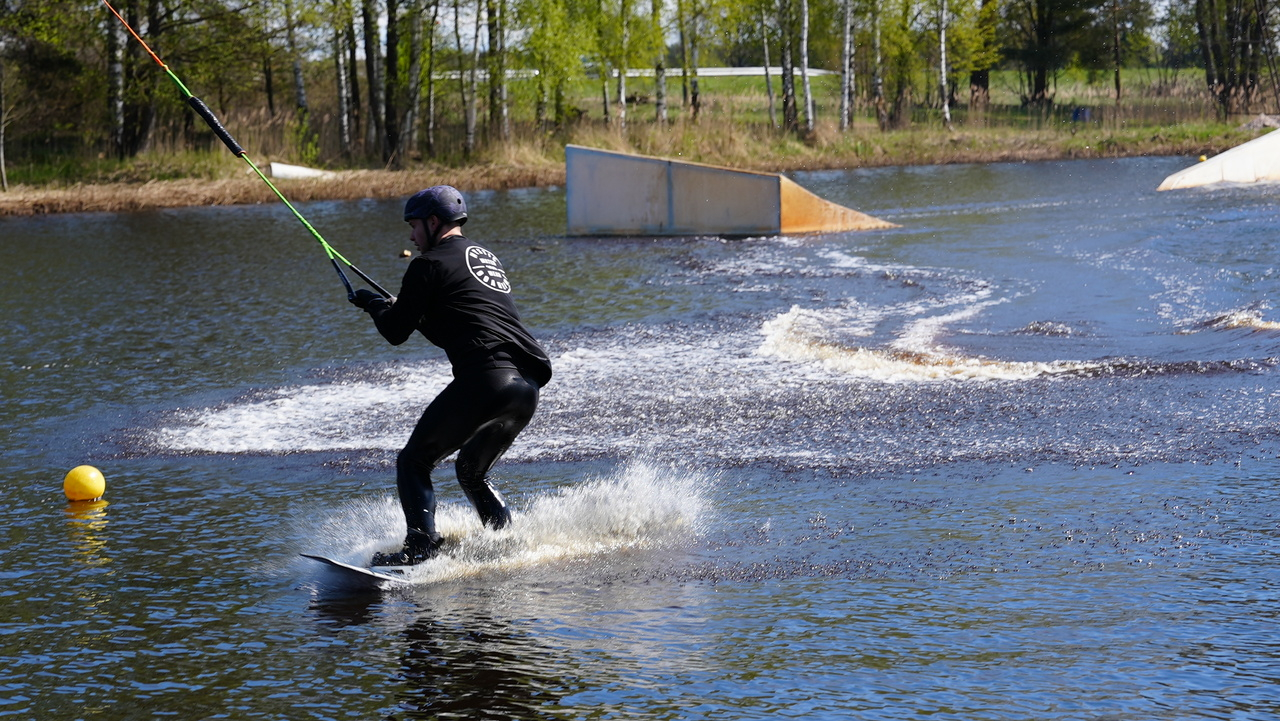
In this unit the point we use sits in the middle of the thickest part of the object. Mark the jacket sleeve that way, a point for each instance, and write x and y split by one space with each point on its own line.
399 319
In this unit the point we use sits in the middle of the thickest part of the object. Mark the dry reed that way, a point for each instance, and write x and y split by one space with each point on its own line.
538 160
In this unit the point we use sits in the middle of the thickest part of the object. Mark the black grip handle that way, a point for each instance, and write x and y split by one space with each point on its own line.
198 105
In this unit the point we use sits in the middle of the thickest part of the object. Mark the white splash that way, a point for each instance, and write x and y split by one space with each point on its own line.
641 506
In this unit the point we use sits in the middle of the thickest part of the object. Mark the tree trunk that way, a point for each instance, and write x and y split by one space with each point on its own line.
504 116
1115 43
561 112
299 86
431 81
877 78
353 79
790 114
4 122
269 83
768 80
344 93
659 68
681 20
604 94
541 105
391 151
472 82
373 74
140 108
944 92
695 94
413 96
467 145
804 67
980 77
499 116
979 89
623 11
115 90
846 67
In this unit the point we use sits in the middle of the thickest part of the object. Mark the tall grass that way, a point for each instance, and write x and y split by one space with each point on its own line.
1158 114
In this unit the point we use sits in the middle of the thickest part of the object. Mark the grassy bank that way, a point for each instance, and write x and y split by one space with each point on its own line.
217 178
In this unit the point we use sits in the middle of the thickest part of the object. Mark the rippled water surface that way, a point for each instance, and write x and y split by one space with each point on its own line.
1014 459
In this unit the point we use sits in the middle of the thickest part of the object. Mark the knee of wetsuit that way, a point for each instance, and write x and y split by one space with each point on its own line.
408 462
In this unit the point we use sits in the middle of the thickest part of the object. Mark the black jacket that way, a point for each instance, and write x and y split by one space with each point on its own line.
459 297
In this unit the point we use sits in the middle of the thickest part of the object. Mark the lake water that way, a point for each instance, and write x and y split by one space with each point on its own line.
1017 459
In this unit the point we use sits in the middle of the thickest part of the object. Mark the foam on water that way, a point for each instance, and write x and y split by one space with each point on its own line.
1250 319
695 389
307 418
639 506
798 335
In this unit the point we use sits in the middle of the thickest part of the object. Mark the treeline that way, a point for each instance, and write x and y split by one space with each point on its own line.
384 79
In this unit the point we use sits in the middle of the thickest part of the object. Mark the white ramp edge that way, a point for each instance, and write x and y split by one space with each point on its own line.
1251 162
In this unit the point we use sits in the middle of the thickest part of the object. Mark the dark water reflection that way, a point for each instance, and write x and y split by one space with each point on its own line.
451 667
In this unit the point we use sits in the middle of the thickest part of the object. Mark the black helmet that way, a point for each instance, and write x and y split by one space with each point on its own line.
442 201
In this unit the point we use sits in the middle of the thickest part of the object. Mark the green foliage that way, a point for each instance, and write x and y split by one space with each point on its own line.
561 35
973 36
225 51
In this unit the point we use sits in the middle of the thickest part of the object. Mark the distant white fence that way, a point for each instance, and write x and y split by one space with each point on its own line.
756 71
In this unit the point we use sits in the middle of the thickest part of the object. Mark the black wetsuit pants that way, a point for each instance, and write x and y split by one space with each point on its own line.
479 415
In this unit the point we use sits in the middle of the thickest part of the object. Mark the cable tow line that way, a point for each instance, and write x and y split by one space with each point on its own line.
214 124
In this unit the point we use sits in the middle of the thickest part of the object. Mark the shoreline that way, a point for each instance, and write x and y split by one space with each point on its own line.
245 188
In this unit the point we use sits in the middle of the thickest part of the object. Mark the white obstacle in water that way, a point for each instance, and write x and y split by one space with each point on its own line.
610 193
1251 162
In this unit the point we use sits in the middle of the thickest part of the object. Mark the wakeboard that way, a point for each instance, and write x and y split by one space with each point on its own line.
379 574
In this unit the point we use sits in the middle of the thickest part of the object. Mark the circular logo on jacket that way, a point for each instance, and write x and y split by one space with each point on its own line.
484 266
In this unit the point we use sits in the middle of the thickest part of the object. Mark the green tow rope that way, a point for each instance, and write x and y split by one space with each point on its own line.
203 110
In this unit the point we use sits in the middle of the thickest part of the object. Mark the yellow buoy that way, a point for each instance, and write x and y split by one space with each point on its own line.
1203 158
84 483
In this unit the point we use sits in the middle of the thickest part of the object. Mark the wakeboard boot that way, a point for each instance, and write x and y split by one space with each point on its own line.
418 547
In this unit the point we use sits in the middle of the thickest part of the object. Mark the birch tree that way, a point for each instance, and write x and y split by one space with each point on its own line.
115 87
468 68
944 91
847 85
343 89
4 119
804 67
